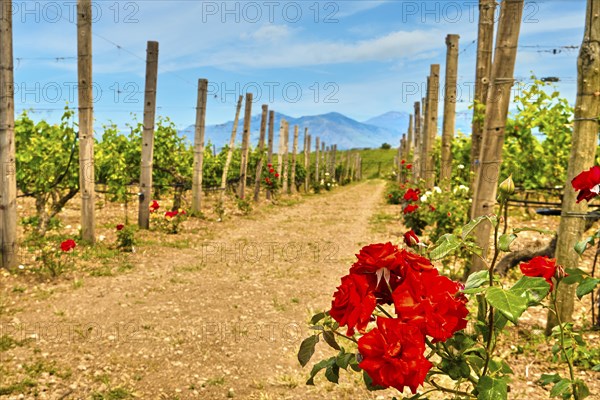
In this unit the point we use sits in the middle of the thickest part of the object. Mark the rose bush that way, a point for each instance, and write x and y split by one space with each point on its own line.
405 322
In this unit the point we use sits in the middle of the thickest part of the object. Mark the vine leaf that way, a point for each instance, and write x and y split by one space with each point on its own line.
507 303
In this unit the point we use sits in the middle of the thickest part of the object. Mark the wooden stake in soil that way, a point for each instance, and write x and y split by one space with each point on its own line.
294 153
200 128
449 109
416 153
410 139
307 161
245 146
583 151
148 135
270 146
486 184
8 180
333 162
280 150
86 119
231 146
261 151
424 133
317 147
286 144
432 115
483 67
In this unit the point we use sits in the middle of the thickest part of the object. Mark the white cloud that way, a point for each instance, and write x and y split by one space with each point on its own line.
267 33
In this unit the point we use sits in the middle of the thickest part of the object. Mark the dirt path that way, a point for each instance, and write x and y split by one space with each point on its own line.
221 319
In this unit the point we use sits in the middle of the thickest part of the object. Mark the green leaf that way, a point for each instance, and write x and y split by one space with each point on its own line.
532 289
476 363
329 338
492 388
344 359
468 228
505 240
317 317
476 279
582 390
586 286
507 303
581 246
575 275
547 379
444 246
560 388
332 373
318 367
307 349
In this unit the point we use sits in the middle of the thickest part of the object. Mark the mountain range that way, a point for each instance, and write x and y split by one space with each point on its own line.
332 128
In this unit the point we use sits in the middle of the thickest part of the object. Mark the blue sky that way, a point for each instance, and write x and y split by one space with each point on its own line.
360 58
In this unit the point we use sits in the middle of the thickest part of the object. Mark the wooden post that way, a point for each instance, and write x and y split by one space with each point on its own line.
294 153
416 153
483 67
231 146
424 134
148 135
449 109
486 184
245 145
307 161
317 147
327 160
270 144
200 128
286 144
324 168
261 151
583 150
333 162
8 180
86 119
410 138
280 151
432 115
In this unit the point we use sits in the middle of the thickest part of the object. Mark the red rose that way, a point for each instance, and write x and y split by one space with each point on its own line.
276 175
171 214
120 227
154 206
374 257
410 238
392 355
271 170
412 195
431 208
269 165
432 303
412 262
410 208
543 267
68 245
408 166
588 184
353 303
449 214
402 162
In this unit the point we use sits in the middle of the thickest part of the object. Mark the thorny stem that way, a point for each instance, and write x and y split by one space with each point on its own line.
562 345
383 311
448 390
345 337
490 338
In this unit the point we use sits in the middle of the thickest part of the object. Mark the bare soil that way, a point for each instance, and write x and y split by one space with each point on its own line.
217 311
